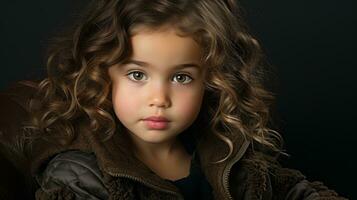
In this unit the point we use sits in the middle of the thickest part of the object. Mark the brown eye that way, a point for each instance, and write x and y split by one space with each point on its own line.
182 78
135 75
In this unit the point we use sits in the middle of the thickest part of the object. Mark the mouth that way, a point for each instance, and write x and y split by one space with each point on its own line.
156 119
159 125
156 122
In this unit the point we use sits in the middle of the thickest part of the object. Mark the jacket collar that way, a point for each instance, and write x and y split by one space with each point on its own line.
115 159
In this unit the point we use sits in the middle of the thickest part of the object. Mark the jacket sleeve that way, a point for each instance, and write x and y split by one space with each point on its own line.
72 175
290 184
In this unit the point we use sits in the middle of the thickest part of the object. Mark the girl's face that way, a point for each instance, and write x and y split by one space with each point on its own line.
163 77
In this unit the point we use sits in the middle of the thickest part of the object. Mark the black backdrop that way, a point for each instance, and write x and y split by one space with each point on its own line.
310 43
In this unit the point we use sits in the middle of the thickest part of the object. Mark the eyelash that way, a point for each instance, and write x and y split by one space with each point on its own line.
132 72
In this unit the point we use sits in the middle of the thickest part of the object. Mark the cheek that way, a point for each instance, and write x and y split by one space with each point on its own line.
189 104
125 102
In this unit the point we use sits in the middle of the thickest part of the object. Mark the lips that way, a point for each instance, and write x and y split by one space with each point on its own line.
157 119
156 122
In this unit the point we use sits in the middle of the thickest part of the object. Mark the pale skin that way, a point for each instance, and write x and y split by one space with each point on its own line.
152 84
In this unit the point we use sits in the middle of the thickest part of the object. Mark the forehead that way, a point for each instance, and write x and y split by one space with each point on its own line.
164 44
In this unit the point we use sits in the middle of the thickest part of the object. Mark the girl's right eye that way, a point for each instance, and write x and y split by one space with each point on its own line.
135 75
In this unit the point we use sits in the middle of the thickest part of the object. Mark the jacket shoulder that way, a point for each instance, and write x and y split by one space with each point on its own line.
72 175
260 176
291 184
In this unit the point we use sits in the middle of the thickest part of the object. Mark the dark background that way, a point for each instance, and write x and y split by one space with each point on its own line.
310 43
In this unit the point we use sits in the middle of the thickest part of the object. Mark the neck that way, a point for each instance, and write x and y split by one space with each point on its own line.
154 151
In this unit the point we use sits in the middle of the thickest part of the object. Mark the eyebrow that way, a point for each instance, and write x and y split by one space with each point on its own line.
180 66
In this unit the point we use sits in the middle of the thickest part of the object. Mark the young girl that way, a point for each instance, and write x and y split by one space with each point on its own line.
159 99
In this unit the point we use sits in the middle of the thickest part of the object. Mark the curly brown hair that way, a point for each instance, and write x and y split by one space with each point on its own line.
78 86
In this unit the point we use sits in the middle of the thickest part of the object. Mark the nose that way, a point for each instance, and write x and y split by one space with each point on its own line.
159 96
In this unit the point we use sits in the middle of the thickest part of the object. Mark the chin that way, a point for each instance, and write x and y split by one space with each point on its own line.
156 140
155 137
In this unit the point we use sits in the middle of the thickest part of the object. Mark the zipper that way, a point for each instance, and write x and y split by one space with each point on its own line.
145 183
227 169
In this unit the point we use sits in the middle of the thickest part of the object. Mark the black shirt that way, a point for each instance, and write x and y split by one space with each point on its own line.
194 186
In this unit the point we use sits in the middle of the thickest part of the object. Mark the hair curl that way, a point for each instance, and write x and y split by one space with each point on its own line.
78 86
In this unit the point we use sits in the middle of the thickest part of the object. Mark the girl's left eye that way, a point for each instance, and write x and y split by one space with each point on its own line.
181 78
